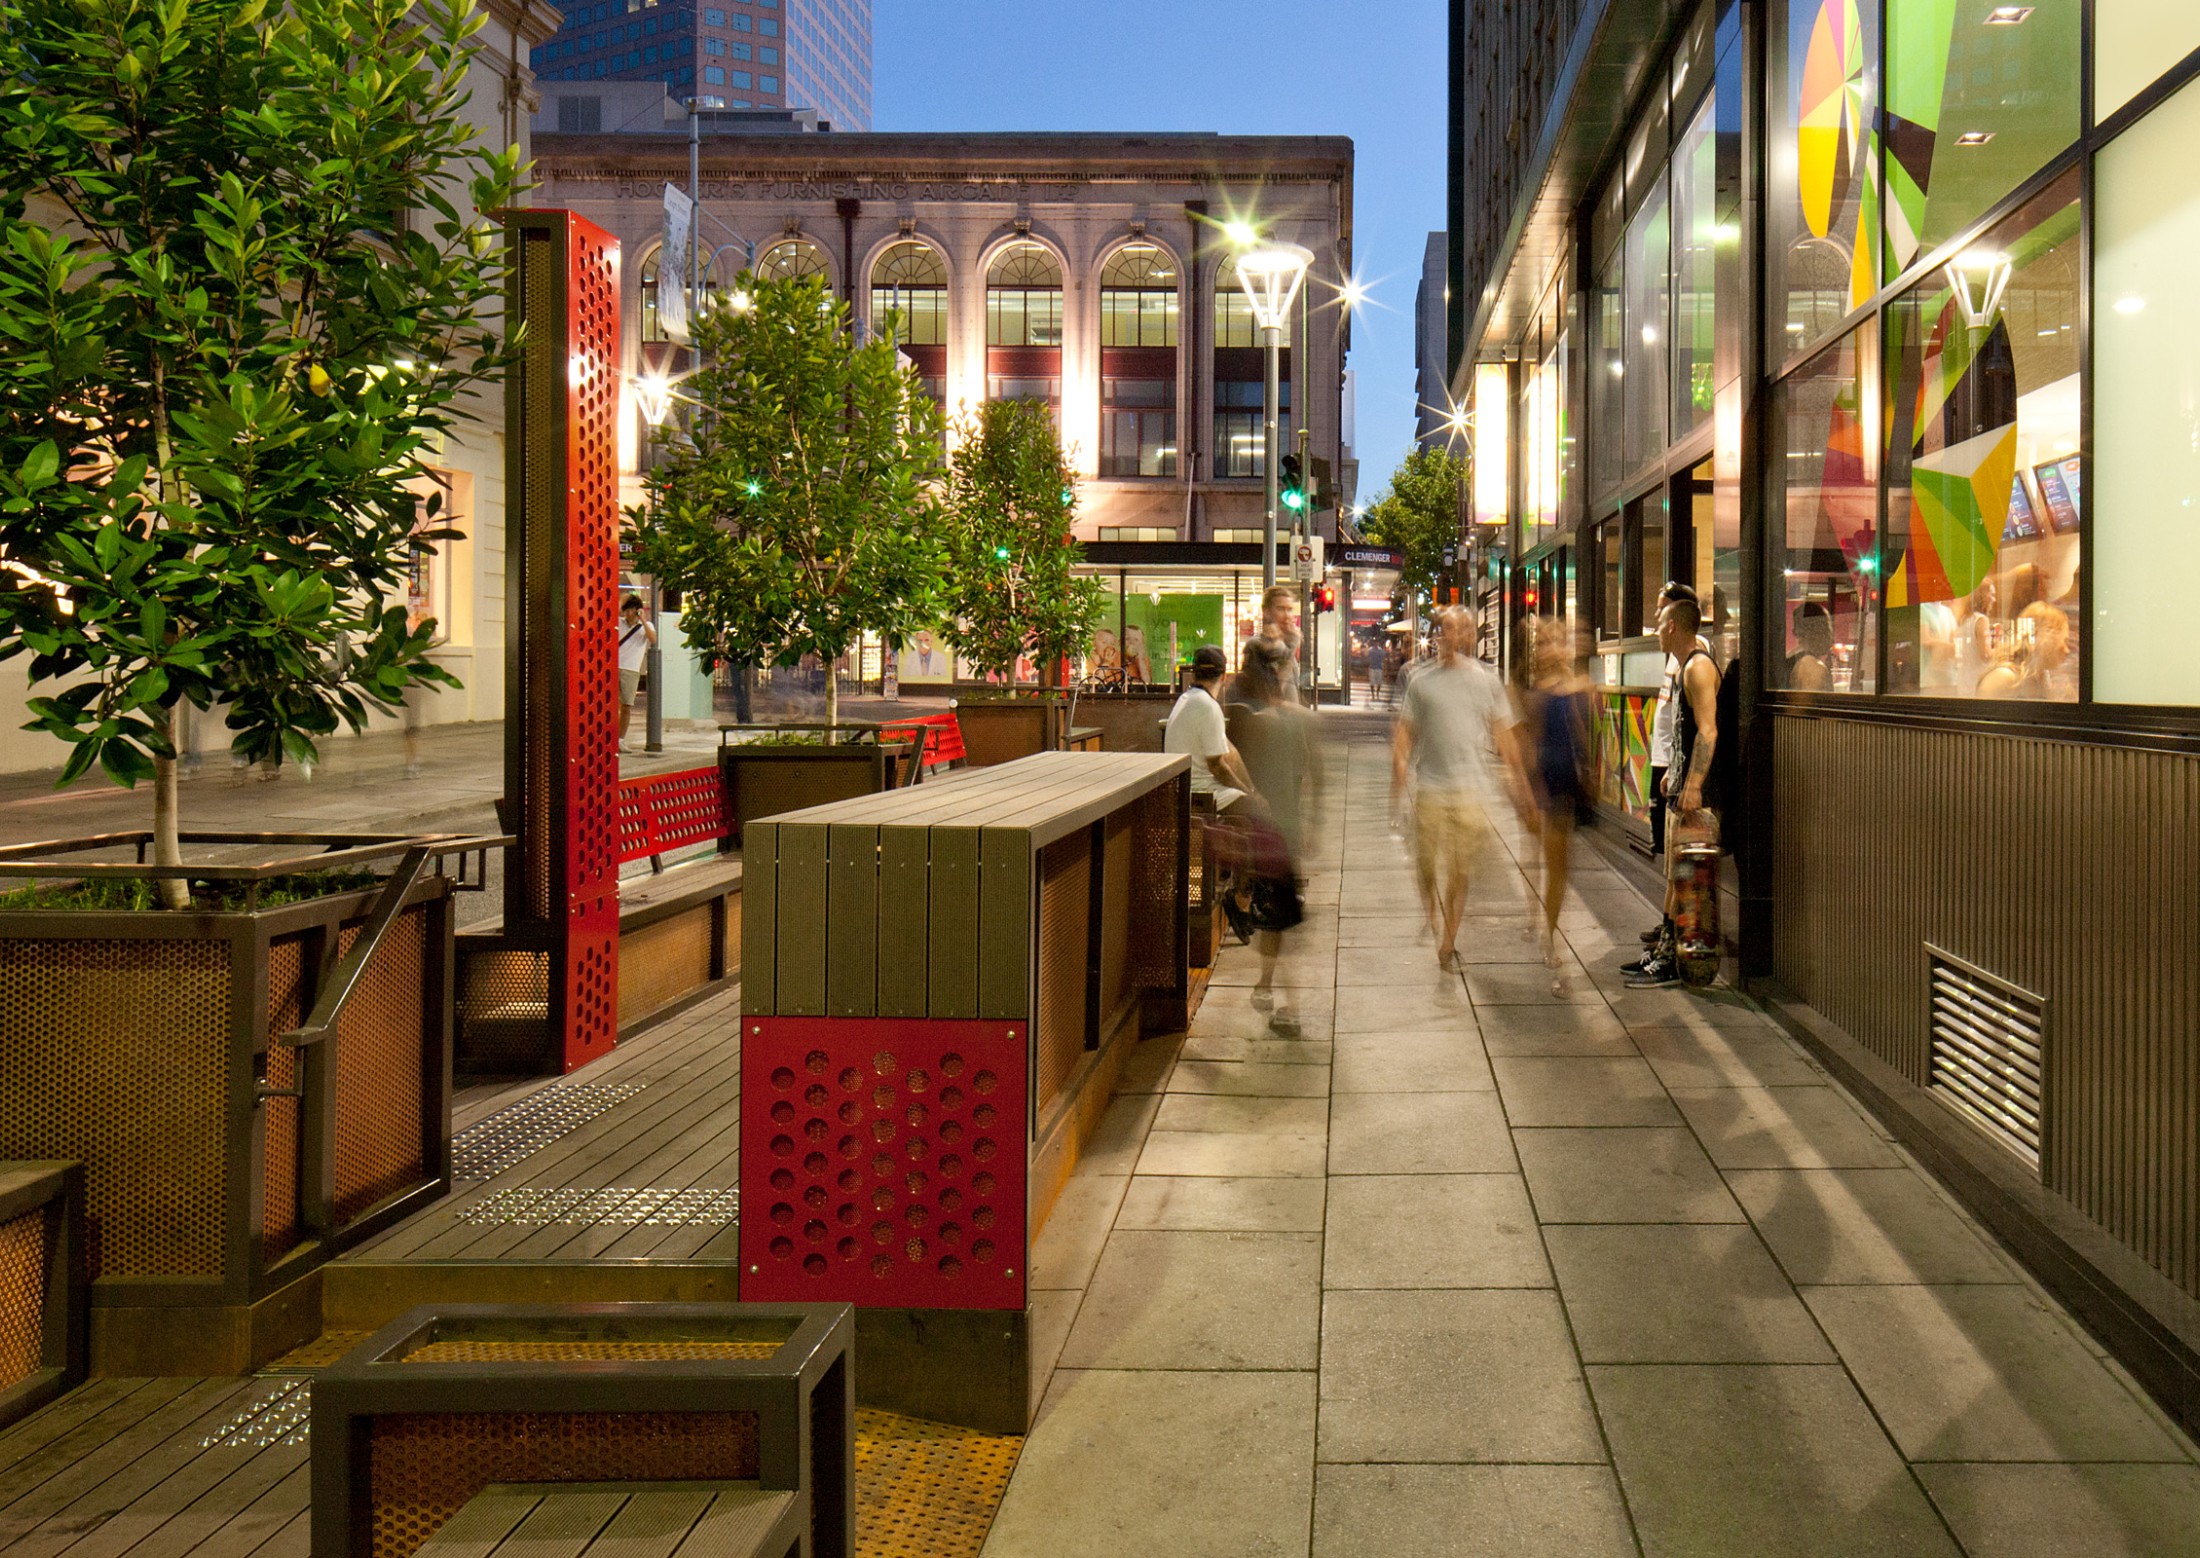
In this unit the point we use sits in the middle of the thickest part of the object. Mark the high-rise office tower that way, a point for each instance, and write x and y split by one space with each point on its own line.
753 53
829 60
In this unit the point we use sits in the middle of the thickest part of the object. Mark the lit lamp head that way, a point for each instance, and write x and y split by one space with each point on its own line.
653 393
705 105
1271 275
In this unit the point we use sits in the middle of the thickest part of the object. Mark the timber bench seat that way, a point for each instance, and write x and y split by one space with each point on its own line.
629 1520
414 1428
939 988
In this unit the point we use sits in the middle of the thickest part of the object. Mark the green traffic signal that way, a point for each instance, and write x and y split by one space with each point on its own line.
1293 499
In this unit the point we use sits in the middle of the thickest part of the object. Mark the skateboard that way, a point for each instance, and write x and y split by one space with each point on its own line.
1693 845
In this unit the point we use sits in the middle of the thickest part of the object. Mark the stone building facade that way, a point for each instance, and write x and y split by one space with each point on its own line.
1092 271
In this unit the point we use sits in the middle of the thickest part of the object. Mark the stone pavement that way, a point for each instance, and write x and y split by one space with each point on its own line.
1471 1268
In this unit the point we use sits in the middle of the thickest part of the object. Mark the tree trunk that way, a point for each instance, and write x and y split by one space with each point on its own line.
174 892
832 701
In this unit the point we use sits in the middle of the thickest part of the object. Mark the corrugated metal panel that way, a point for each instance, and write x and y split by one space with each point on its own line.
2068 870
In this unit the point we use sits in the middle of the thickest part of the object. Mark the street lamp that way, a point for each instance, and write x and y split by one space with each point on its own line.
1271 275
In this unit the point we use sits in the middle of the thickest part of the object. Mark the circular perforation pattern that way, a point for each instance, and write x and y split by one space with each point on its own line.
881 1171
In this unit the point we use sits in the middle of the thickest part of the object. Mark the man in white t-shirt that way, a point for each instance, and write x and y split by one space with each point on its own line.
1197 729
1457 723
636 639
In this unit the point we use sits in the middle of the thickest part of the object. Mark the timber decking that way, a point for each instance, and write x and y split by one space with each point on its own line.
680 1131
638 1520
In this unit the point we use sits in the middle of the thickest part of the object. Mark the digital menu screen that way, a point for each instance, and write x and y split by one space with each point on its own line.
2024 520
2059 490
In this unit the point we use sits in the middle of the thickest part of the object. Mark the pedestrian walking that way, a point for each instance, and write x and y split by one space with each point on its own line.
636 639
1559 755
1274 737
1453 745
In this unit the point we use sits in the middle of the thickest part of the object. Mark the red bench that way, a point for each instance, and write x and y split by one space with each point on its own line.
661 812
939 737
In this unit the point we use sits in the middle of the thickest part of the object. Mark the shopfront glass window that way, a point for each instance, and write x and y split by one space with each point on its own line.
1645 562
1138 297
910 282
1607 374
1980 96
1983 472
2134 41
1611 584
1644 394
2145 497
1695 262
1822 213
791 259
1023 297
1826 503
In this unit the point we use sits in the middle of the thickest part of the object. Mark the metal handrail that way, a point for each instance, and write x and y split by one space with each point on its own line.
346 849
342 979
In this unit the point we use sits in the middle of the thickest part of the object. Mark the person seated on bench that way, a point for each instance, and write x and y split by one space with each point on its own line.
1197 729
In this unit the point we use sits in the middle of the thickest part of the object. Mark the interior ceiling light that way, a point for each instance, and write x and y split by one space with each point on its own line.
1974 137
2007 15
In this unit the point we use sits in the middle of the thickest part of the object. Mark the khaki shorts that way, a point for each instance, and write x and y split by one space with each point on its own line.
630 687
1448 830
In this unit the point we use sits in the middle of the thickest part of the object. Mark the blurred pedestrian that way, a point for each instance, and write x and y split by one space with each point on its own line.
1197 729
1560 761
1274 737
1454 741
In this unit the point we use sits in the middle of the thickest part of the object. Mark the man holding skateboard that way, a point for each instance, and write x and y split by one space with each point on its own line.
1690 947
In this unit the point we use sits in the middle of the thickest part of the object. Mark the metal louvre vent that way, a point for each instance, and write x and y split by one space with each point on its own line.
1989 1052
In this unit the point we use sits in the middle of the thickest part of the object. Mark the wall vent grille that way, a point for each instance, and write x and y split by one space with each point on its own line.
1989 1053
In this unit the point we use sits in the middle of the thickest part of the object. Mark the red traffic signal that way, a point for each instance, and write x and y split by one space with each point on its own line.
1325 599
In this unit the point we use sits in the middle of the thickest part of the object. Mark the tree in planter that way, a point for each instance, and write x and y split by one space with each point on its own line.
1011 504
1420 515
797 515
242 281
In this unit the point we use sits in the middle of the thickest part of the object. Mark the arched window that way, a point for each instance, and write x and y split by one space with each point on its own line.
1138 297
910 281
790 259
1138 332
653 330
1023 324
1023 297
1241 390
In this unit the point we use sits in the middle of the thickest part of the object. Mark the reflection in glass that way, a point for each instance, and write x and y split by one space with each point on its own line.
1649 256
1979 98
1822 218
1695 228
1982 466
1607 370
1827 498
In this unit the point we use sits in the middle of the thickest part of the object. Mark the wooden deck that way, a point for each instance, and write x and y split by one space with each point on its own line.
650 1177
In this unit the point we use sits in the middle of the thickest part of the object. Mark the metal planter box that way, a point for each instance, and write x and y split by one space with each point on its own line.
1001 730
762 781
222 1164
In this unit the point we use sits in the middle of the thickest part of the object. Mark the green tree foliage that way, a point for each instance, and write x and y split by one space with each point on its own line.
242 281
1420 514
799 512
1011 508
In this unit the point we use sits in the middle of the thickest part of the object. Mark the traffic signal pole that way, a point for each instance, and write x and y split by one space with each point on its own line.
1302 536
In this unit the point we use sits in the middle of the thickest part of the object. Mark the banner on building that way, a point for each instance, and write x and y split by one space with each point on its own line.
673 268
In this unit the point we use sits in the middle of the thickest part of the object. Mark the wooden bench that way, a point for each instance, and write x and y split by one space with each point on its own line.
939 988
631 1520
466 1410
941 740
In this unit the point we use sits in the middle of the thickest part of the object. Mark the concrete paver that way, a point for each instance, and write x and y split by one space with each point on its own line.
1473 1268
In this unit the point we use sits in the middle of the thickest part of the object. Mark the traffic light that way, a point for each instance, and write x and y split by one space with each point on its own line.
1325 599
1292 491
1324 491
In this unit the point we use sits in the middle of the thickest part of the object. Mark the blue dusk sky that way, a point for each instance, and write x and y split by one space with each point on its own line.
1290 67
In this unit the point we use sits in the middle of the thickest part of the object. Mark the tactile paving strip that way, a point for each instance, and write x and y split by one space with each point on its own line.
927 1490
280 1415
487 1149
540 1206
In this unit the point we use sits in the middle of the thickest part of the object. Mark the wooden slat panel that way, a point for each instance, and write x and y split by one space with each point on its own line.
1005 946
759 918
737 1521
654 1523
904 926
478 1529
852 914
952 957
2062 867
802 906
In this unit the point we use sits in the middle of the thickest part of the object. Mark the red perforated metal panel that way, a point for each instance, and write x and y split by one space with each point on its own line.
591 864
663 812
883 1162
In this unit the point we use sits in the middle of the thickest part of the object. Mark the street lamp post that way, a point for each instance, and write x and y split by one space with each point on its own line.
1271 275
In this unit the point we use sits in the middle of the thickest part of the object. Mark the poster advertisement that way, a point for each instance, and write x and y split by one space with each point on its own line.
924 661
1159 635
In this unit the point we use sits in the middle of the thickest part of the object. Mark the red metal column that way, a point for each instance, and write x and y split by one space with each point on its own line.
562 569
